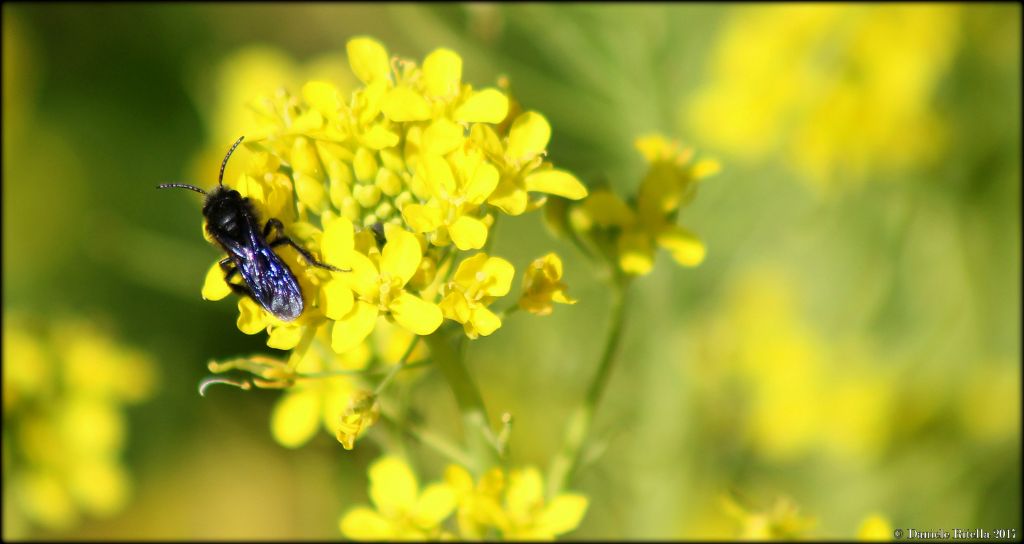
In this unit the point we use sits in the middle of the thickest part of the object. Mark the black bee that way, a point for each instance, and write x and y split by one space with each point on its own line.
232 222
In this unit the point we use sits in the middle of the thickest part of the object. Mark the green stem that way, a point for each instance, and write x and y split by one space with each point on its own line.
434 441
565 463
364 372
398 367
446 351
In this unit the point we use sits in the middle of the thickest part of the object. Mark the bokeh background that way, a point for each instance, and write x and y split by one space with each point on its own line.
851 346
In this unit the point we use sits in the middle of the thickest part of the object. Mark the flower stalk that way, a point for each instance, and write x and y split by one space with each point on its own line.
565 463
446 348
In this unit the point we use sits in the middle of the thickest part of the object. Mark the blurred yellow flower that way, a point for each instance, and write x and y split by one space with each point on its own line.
64 426
362 412
875 527
480 504
989 400
314 403
401 511
543 285
529 517
514 505
782 522
837 90
629 233
802 393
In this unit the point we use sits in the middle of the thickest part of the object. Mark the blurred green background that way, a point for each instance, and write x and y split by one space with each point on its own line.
850 344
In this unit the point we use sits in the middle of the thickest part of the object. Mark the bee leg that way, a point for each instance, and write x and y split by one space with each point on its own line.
305 254
274 224
241 290
229 269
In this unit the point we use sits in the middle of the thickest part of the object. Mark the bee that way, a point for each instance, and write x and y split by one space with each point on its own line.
232 221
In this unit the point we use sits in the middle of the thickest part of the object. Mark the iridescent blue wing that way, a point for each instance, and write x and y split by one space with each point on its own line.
273 285
270 281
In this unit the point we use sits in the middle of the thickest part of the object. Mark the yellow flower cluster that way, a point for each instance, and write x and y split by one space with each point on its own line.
392 184
837 90
627 234
64 429
506 505
799 400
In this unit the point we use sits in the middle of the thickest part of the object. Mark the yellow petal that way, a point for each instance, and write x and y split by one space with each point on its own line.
488 141
655 147
705 168
250 187
415 314
368 59
606 209
434 505
336 299
563 514
509 198
379 137
442 137
468 233
484 181
468 268
455 307
525 489
500 272
636 256
442 72
362 523
215 287
284 337
363 278
393 486
438 174
352 329
556 182
458 478
685 247
552 262
323 97
486 106
337 242
528 137
421 218
295 417
403 104
251 316
401 256
562 298
306 122
484 321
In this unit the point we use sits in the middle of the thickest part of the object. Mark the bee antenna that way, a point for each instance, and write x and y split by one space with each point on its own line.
220 178
180 186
